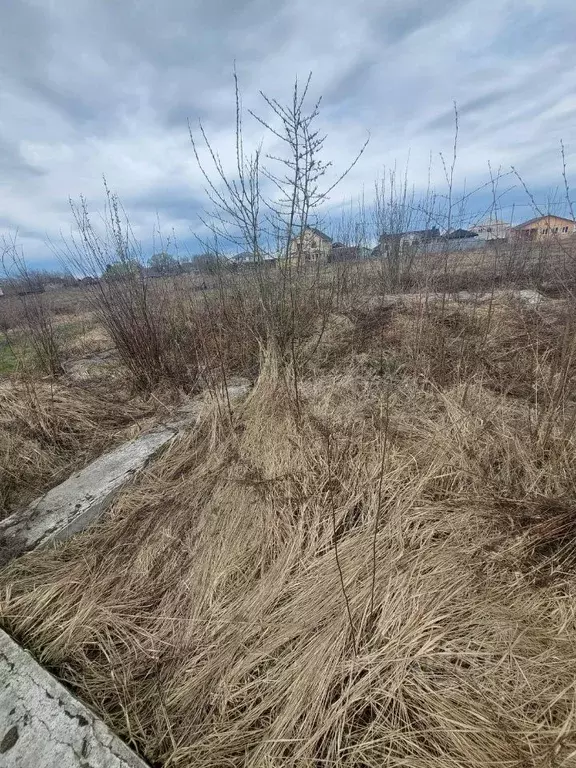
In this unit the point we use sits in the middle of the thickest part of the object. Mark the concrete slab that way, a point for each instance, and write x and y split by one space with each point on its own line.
43 726
80 499
523 295
480 297
85 495
528 296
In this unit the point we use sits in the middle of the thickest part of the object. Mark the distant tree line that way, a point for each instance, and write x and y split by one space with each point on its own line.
35 281
19 282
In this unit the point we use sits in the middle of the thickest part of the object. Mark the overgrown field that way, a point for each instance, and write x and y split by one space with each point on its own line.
51 425
371 561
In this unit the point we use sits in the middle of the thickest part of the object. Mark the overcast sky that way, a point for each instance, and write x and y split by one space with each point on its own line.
93 87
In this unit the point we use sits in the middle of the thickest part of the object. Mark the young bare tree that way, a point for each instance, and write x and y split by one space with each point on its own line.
41 332
265 205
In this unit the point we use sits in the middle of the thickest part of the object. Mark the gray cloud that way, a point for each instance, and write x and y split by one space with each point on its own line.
92 87
13 166
399 19
480 103
25 38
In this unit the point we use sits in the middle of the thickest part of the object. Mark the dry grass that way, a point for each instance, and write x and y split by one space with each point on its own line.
48 429
514 349
380 573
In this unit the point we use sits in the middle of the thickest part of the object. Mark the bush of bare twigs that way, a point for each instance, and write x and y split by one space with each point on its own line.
28 310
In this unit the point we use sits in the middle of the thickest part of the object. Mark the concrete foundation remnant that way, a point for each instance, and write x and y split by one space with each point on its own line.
42 725
85 495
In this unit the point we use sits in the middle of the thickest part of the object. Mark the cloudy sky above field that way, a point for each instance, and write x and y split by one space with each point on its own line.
100 87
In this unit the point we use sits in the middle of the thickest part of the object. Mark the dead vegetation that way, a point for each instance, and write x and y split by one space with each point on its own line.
379 571
48 429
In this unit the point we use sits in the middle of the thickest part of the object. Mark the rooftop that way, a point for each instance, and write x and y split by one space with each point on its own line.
545 217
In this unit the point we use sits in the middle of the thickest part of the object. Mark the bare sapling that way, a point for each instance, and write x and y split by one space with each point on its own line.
40 329
265 206
143 319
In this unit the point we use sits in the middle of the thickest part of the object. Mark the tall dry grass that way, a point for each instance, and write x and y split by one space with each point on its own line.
381 573
48 429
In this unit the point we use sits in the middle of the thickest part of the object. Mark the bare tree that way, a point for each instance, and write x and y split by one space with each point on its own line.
265 206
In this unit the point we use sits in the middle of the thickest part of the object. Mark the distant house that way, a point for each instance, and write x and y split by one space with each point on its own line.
544 228
311 245
249 259
491 229
244 258
413 237
340 252
460 234
419 236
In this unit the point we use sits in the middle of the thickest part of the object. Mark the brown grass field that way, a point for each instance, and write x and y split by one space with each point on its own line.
369 562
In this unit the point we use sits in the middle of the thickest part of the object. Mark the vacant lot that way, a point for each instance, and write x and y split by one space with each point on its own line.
371 561
66 390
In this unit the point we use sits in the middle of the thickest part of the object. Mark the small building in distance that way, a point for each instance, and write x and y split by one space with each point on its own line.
547 227
419 236
311 245
340 252
460 234
412 237
491 229
246 257
251 260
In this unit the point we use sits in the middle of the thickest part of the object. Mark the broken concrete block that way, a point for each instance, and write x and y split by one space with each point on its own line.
82 499
528 296
43 725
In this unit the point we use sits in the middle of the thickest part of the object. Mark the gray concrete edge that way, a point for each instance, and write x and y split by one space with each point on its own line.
85 496
43 724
